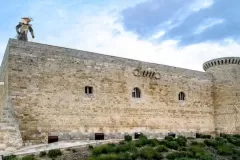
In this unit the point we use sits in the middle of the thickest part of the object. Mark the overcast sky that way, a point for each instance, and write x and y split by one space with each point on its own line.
181 33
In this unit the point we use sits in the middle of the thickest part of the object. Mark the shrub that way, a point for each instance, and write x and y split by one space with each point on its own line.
10 157
172 145
169 138
153 142
127 138
90 147
224 135
150 153
184 159
195 143
182 141
161 148
221 140
135 155
236 135
234 140
182 148
199 152
107 157
103 149
124 156
162 142
54 153
224 149
42 154
210 142
29 157
142 141
235 157
236 151
176 155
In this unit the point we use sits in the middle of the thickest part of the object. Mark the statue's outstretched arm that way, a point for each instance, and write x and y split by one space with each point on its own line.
31 30
17 28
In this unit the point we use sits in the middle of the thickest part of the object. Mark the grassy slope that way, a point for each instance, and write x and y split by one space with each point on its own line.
226 147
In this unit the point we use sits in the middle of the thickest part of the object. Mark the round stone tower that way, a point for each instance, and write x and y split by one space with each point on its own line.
226 93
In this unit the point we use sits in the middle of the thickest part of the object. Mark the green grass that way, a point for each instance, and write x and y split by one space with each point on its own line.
179 148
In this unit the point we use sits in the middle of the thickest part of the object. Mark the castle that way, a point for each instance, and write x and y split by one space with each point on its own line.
50 92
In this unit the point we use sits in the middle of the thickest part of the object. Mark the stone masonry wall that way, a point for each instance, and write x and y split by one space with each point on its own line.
47 85
10 137
227 97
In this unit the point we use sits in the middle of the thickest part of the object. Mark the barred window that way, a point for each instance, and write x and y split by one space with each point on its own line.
88 90
136 93
181 96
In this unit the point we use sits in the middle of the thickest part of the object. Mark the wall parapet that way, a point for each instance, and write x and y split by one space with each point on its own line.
221 61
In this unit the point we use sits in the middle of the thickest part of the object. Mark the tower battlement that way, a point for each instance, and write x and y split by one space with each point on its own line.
221 61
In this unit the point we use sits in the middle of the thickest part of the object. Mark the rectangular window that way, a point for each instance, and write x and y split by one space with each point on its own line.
88 90
52 139
99 136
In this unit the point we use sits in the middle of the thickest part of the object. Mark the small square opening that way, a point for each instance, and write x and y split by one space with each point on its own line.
52 139
172 134
137 135
99 136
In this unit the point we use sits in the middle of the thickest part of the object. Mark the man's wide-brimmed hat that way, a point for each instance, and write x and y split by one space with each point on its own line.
27 18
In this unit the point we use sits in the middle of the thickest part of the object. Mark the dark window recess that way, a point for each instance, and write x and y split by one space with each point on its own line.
198 135
99 136
136 93
181 96
52 139
88 90
137 135
172 134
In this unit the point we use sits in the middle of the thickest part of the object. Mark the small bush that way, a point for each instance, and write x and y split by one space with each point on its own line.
182 148
54 153
175 155
103 149
172 145
161 148
153 142
10 157
235 157
150 153
42 154
143 140
221 140
236 151
224 149
236 135
29 157
90 147
195 143
162 142
182 141
199 152
169 138
124 156
210 143
127 138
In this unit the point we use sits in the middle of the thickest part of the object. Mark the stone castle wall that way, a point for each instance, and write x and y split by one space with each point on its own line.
226 81
47 86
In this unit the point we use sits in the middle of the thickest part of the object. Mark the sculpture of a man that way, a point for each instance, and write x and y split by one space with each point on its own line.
24 27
